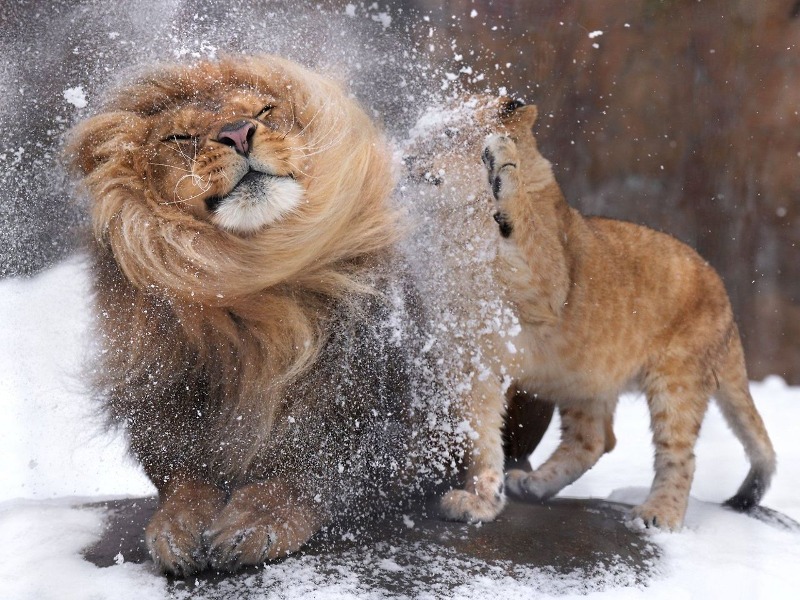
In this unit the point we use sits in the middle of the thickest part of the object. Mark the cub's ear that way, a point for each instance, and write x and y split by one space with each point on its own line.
516 113
94 141
508 105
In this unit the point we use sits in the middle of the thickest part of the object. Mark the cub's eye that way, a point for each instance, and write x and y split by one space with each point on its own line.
179 138
264 111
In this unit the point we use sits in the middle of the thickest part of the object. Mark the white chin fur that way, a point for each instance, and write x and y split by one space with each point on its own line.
250 207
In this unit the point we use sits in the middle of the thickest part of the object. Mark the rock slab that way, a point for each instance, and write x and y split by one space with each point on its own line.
564 545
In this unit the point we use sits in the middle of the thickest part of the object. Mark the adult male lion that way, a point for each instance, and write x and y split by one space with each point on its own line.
258 337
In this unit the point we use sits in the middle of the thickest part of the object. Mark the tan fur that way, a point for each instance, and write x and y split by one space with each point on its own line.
605 306
224 353
480 325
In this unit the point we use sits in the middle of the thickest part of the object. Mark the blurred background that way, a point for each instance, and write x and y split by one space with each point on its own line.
683 115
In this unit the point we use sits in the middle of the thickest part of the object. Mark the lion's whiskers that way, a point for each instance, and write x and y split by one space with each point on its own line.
197 181
325 141
315 115
293 168
292 122
328 146
169 166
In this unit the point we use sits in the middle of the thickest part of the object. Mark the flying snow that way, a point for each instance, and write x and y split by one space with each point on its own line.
76 96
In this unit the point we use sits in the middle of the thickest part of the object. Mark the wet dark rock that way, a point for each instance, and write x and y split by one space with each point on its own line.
565 545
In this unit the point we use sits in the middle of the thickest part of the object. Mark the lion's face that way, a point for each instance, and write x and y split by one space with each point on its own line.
220 179
237 160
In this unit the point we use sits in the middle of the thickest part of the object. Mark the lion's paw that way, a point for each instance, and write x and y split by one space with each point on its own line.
241 538
501 160
461 505
255 527
175 541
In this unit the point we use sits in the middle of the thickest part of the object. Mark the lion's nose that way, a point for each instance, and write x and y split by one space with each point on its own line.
238 135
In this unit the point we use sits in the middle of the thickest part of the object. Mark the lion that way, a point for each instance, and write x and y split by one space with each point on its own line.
259 336
604 306
598 307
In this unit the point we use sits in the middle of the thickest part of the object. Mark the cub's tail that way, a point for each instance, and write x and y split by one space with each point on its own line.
736 404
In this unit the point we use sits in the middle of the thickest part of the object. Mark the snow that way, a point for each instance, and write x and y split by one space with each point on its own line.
76 96
384 19
55 456
41 543
46 423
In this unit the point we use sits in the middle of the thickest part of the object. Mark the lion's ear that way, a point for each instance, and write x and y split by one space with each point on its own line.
93 142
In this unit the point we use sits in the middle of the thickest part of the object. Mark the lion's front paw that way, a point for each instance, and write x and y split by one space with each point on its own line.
175 543
174 535
259 523
652 514
242 538
501 160
482 503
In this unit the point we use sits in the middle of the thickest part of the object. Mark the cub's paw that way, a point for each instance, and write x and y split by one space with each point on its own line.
258 524
527 485
482 503
501 160
657 515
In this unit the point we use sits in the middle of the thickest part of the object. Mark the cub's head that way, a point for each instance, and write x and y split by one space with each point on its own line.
448 139
255 170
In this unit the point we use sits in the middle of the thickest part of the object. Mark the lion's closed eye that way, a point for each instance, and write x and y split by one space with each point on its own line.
179 138
264 111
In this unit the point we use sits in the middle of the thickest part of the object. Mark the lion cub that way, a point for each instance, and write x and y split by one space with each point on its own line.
607 305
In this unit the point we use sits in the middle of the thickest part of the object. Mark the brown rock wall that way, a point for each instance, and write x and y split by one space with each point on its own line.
683 115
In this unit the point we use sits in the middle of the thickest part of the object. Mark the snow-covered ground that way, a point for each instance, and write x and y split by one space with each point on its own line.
53 454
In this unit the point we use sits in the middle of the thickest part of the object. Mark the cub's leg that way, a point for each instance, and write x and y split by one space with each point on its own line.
262 521
501 160
677 402
585 435
174 535
532 215
483 496
527 420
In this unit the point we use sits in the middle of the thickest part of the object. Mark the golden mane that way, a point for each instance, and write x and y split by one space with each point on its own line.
197 262
249 311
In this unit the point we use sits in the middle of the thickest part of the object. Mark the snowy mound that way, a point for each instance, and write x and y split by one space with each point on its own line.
52 448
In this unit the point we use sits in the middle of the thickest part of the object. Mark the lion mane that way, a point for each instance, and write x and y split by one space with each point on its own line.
190 286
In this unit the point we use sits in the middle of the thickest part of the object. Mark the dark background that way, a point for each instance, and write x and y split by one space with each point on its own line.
683 114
